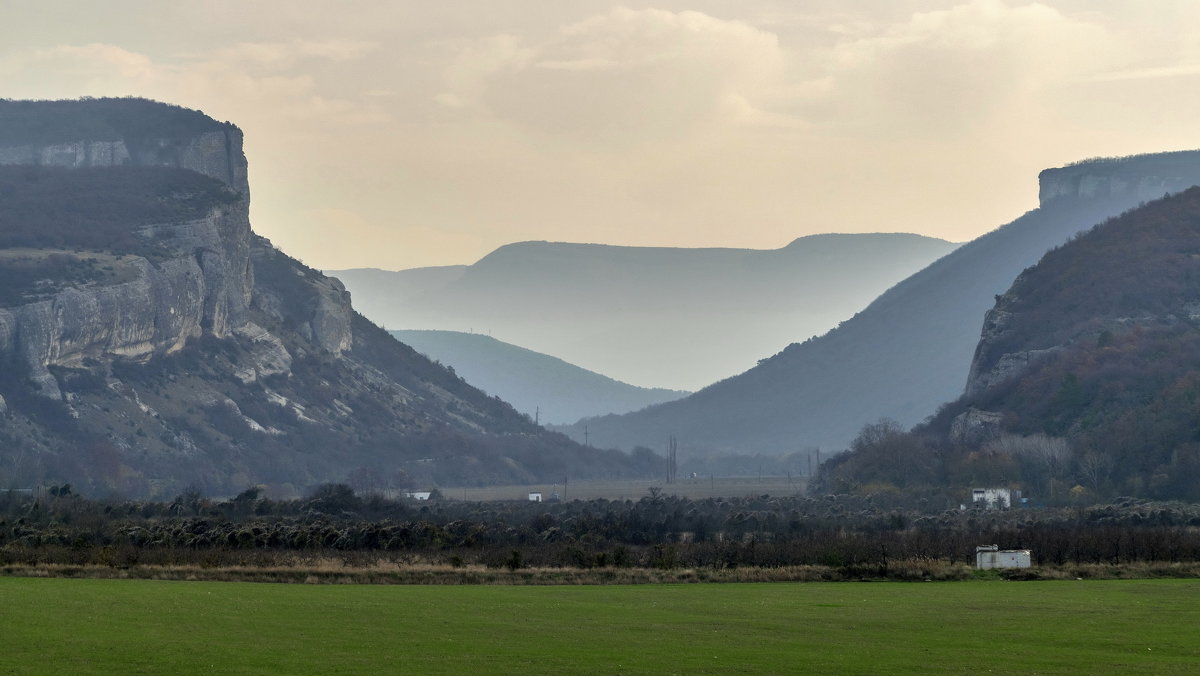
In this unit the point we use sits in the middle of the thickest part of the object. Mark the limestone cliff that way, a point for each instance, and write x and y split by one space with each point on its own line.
149 340
214 153
987 370
121 132
1138 178
206 286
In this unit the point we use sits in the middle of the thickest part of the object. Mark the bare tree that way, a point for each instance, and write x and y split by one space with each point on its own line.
1094 469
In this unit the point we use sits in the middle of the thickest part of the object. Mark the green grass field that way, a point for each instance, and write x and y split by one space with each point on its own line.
127 626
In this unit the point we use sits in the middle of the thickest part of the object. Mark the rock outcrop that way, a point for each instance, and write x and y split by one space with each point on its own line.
204 289
121 132
1141 178
986 371
149 340
974 426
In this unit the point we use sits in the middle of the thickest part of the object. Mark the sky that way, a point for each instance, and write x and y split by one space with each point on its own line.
414 133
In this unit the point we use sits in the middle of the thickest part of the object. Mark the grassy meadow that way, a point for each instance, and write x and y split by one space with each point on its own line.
141 626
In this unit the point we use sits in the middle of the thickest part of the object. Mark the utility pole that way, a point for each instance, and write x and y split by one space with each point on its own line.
585 436
672 446
537 415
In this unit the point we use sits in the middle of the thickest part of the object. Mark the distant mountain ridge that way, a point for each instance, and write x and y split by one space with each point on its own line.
909 351
650 316
538 385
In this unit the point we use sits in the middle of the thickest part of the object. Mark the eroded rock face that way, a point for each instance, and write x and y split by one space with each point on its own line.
330 323
267 354
1145 178
207 289
986 371
316 306
215 153
975 426
77 154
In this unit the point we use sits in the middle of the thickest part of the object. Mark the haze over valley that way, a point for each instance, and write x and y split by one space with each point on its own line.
653 317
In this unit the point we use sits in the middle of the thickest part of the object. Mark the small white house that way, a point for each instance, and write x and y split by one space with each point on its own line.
417 495
994 498
991 556
535 497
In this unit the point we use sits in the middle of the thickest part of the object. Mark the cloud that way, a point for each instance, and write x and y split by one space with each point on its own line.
956 69
1154 73
626 75
288 55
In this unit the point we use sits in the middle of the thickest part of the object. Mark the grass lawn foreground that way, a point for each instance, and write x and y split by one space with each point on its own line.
140 626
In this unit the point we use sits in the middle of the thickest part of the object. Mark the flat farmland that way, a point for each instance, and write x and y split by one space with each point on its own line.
57 626
701 487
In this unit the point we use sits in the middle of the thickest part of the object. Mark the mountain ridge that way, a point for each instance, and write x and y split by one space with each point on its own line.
653 316
539 385
907 352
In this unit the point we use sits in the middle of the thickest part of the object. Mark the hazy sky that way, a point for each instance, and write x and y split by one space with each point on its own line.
409 133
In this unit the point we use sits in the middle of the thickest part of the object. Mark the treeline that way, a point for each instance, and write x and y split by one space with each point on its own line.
98 119
844 532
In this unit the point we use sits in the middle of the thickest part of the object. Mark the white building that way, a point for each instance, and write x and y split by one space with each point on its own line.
991 556
535 497
994 498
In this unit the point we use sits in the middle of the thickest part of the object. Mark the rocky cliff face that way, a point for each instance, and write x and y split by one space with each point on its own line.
189 351
214 153
121 132
986 371
1140 178
205 289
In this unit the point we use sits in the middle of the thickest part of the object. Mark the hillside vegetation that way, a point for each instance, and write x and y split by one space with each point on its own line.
1088 375
131 119
100 209
903 356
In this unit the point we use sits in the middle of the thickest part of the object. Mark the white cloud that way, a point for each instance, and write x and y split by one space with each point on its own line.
623 76
955 69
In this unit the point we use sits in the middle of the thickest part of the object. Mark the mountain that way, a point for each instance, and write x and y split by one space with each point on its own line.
380 290
149 340
1085 379
664 317
909 350
535 384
